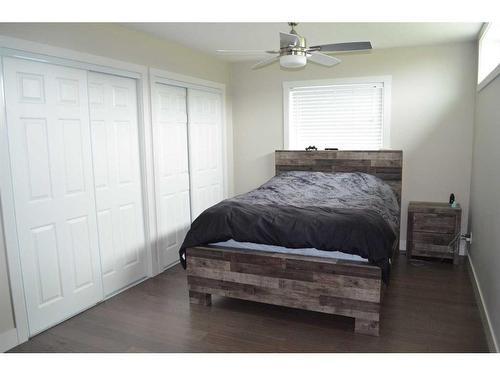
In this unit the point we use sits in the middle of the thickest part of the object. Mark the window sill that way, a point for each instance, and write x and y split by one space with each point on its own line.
489 78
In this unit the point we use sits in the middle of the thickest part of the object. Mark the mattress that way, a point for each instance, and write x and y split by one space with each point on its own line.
285 250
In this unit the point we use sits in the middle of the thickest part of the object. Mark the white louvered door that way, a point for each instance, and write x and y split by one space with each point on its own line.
205 149
51 163
171 170
115 146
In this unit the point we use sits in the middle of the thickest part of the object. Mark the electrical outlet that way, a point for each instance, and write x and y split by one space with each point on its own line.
467 237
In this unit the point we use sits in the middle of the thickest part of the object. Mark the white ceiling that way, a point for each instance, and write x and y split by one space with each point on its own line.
208 37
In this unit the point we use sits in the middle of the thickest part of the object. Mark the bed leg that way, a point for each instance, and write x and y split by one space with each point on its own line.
198 298
366 327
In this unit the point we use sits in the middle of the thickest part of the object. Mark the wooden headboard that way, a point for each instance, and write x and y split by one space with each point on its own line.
386 165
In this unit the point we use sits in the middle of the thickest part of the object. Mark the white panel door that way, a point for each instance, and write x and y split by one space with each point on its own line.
117 177
50 149
171 170
205 149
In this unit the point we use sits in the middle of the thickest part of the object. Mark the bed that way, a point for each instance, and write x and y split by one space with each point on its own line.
274 244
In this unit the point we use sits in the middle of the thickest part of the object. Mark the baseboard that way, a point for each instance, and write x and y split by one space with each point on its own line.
170 266
125 288
8 340
485 317
402 245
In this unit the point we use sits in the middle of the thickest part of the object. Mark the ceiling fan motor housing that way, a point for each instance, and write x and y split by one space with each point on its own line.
298 49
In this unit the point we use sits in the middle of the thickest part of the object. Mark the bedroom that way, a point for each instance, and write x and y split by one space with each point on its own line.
133 149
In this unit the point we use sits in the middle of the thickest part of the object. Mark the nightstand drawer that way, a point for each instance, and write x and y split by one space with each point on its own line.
437 223
431 250
441 239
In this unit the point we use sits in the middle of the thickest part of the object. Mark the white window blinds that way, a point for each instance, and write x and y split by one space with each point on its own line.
347 116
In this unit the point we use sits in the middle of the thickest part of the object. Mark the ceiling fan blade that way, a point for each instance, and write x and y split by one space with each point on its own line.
321 58
350 46
242 52
265 62
287 40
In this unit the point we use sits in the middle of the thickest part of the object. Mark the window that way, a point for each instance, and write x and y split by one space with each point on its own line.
489 53
348 114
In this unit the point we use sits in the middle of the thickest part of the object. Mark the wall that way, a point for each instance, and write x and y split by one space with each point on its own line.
431 116
485 201
116 42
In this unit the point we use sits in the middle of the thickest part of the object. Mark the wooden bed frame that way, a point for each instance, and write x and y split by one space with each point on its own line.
334 286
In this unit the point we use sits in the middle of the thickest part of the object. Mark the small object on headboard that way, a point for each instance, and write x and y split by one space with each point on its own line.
452 200
311 148
331 149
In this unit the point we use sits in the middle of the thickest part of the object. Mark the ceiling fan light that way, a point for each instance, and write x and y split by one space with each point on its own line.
293 61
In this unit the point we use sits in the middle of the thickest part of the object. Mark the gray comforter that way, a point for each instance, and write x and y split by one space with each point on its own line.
355 213
335 190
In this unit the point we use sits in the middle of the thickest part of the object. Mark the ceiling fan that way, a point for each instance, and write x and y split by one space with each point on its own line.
294 53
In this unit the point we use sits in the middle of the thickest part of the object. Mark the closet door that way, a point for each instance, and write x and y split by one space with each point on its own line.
50 149
171 170
205 149
117 178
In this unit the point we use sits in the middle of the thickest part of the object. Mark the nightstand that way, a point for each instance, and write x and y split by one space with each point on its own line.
432 227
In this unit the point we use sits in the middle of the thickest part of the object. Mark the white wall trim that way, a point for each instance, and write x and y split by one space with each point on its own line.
402 245
20 48
489 78
9 222
485 316
386 80
8 340
171 78
495 72
77 58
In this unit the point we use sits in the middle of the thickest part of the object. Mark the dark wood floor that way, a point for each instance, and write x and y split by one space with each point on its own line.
429 307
